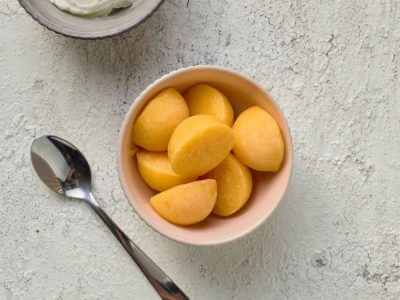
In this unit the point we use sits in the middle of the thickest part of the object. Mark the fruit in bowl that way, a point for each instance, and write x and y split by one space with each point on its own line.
186 204
248 159
234 185
199 144
155 169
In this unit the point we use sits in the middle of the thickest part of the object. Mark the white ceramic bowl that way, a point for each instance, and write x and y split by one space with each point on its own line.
268 188
67 24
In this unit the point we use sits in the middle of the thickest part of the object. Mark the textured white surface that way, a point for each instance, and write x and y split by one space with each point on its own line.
333 66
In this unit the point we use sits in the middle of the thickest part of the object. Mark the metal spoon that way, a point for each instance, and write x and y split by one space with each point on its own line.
64 169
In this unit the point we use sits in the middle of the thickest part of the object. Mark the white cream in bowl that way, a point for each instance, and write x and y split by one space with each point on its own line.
91 8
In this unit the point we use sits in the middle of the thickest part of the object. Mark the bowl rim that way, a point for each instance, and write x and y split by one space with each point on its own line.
124 125
81 36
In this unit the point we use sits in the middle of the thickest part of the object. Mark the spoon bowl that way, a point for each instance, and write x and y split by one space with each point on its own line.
61 166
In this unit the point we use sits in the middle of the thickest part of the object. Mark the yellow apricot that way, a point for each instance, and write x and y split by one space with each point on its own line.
258 140
203 99
199 144
188 203
156 171
155 124
234 185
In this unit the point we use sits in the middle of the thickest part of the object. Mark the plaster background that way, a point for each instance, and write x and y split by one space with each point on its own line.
333 67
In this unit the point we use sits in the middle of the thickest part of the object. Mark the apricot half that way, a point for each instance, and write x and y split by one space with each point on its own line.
258 140
234 185
188 203
199 144
155 124
203 99
156 171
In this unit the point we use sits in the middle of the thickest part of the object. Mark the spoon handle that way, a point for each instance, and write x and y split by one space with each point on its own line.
164 286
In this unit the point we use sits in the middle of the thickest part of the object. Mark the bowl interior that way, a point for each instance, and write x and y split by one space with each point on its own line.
268 187
63 22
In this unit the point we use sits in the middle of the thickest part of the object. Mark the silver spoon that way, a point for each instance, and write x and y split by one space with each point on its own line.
64 169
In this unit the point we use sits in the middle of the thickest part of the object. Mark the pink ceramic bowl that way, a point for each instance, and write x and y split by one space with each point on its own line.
268 189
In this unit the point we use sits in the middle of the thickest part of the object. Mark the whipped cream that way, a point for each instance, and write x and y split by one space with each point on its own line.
91 8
